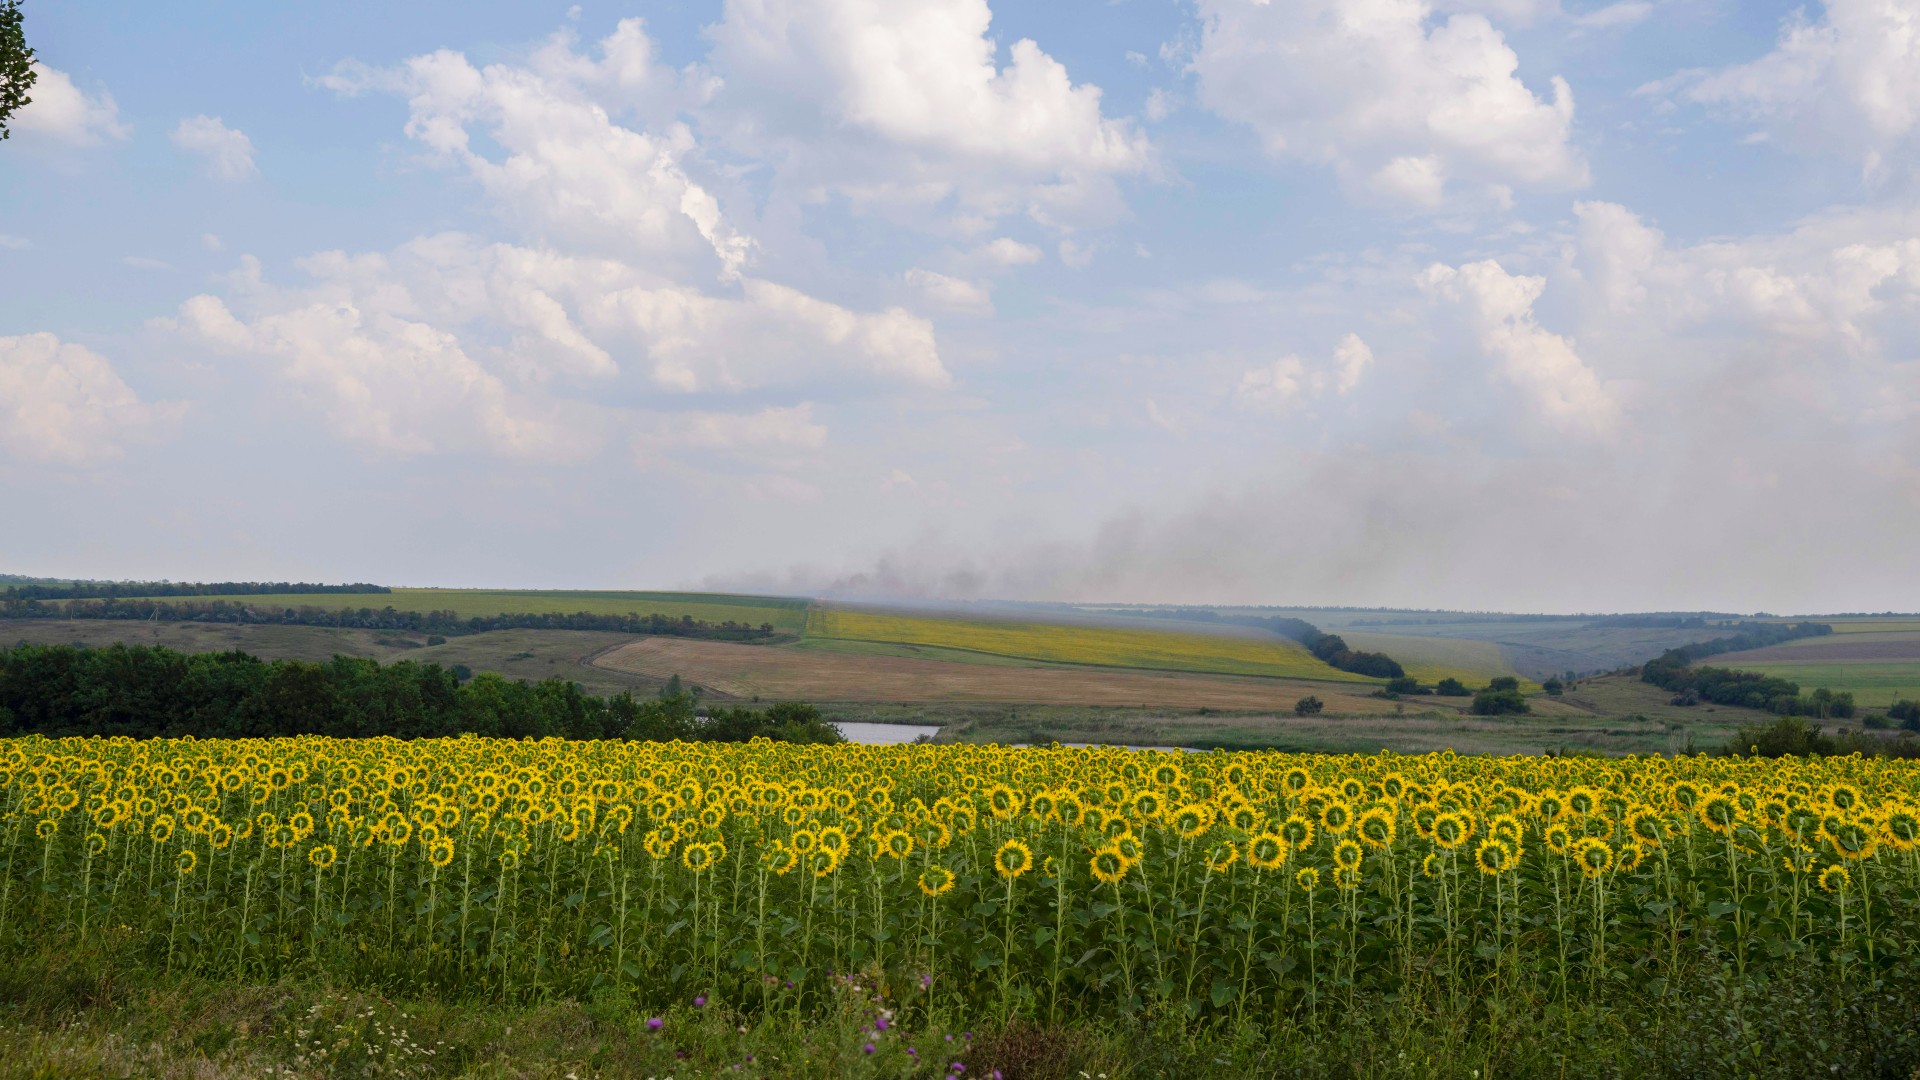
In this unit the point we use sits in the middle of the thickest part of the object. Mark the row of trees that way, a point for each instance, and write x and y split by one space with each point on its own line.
101 590
387 618
146 691
1332 650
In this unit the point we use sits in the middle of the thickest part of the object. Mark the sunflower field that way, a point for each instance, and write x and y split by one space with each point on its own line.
1052 884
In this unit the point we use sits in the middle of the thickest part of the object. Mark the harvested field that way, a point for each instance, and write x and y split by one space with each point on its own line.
516 654
1840 648
1103 646
745 671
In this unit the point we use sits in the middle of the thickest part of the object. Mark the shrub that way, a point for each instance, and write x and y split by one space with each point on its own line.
1405 684
1553 687
1308 706
1493 702
1452 687
1504 682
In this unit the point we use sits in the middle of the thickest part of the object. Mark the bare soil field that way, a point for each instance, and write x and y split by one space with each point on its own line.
748 671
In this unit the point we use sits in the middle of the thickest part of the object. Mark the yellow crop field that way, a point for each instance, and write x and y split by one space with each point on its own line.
1097 645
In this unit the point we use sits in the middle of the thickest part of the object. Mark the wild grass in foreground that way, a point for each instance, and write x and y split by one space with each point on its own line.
99 1008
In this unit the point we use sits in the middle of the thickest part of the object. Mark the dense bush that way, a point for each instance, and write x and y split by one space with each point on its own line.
1451 687
144 691
1493 702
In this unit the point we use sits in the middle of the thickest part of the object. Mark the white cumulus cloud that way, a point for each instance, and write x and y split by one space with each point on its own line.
1404 105
225 153
62 403
1849 82
63 113
1564 392
901 104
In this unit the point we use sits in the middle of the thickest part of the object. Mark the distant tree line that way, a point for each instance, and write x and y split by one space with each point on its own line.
100 590
1653 621
1673 670
148 691
1332 650
387 618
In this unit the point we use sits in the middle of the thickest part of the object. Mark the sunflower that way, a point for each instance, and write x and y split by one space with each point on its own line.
1901 830
1835 879
1297 831
1346 853
897 844
1559 838
1647 827
1266 852
441 854
1593 855
1375 827
1013 859
834 839
935 880
1336 817
1222 857
1852 840
1004 801
510 858
186 860
1346 878
1719 813
1451 829
1307 879
778 858
1493 857
96 844
1192 820
823 862
1108 866
47 827
322 856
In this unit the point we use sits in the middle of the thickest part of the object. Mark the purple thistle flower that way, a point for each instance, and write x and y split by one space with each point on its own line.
867 1049
655 1023
700 1002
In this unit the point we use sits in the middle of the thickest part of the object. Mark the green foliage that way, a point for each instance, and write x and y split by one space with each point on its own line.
1451 687
1492 702
1405 684
1906 714
145 691
1553 687
1308 706
1503 682
1799 737
16 63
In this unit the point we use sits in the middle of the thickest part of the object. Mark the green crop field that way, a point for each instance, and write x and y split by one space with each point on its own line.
1092 645
784 614
1875 684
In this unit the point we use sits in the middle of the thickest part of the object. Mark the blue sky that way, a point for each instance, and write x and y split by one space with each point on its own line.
1502 304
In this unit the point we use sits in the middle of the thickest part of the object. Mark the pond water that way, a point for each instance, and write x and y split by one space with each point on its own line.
883 734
